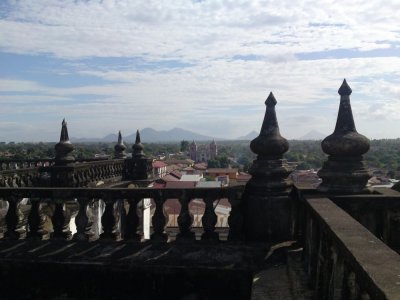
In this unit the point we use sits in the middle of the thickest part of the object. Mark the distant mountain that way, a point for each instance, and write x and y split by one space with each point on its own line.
150 135
313 135
250 136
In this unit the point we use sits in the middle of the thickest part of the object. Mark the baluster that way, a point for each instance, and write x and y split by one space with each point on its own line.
235 219
13 219
209 220
82 221
185 219
60 220
132 221
336 286
108 221
365 296
325 267
94 213
35 220
159 219
352 289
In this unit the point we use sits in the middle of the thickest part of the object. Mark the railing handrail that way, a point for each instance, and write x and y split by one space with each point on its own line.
376 266
200 192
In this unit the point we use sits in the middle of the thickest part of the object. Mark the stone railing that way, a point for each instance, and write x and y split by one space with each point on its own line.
19 178
342 258
379 212
60 200
82 174
15 164
37 172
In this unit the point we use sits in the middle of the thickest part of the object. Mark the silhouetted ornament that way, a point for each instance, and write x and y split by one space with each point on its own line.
345 140
345 170
138 146
270 143
266 205
64 148
119 148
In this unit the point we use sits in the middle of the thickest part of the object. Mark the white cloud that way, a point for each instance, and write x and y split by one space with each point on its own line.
215 88
195 31
202 96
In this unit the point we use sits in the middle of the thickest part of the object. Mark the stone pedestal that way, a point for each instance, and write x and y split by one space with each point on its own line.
344 175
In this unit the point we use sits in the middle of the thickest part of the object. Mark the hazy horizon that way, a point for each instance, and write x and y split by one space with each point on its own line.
205 66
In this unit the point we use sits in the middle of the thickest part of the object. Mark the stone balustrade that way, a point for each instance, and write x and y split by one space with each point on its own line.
30 173
58 199
15 164
81 174
342 258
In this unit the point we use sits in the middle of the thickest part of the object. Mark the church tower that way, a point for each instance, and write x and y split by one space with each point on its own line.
213 150
193 151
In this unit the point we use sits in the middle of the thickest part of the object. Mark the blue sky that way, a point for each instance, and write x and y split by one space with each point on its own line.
205 66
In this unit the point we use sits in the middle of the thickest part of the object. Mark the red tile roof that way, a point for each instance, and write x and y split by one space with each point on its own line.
159 164
168 178
176 174
222 170
180 184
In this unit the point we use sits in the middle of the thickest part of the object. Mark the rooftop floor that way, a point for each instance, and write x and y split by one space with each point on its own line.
98 270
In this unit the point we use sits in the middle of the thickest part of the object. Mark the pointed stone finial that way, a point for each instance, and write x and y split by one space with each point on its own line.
270 143
119 148
345 89
345 140
64 147
271 101
64 132
138 146
265 200
345 170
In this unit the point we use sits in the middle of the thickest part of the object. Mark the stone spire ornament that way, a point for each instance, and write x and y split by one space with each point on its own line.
138 146
64 147
119 148
344 172
265 201
139 166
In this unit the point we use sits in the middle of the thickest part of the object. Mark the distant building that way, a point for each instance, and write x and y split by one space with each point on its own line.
203 153
231 173
159 169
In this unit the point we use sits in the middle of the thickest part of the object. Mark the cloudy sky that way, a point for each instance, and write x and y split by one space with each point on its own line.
206 66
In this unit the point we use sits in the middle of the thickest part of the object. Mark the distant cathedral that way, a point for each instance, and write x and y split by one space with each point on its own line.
203 153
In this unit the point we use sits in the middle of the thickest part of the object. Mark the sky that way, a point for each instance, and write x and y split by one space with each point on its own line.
205 66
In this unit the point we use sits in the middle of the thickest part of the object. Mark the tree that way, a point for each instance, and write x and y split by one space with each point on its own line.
184 146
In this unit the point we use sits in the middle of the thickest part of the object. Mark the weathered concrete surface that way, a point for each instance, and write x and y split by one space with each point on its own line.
283 277
121 270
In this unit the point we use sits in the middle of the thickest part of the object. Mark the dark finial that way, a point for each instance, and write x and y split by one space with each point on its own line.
344 89
64 132
138 146
270 143
345 170
271 101
119 148
137 141
64 147
345 140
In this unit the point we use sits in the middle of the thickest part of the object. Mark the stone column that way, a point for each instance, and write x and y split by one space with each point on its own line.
62 175
266 204
62 172
345 171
